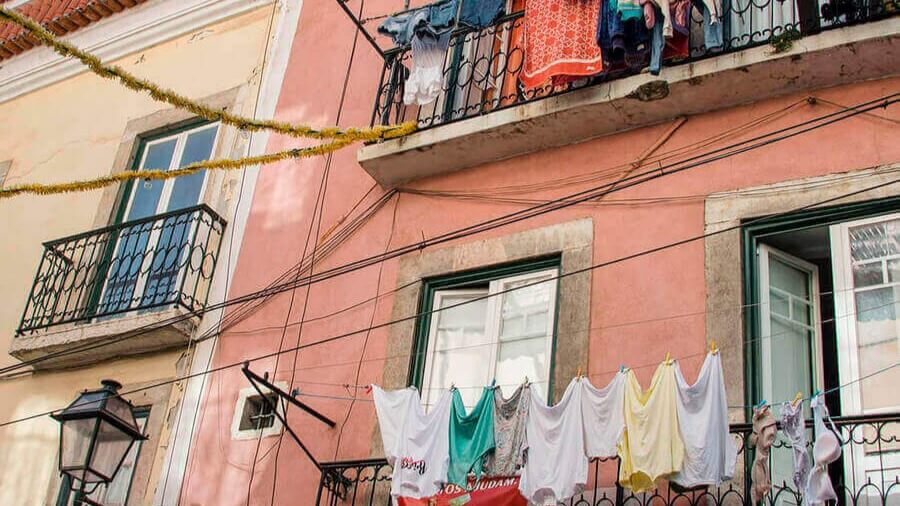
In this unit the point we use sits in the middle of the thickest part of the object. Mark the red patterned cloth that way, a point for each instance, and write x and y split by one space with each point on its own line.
559 40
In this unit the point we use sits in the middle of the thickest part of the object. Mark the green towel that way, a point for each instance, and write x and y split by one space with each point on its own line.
471 436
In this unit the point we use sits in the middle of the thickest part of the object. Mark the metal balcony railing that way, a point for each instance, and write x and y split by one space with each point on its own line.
867 474
161 261
481 67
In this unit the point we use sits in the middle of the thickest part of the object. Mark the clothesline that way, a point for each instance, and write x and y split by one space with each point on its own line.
730 406
596 374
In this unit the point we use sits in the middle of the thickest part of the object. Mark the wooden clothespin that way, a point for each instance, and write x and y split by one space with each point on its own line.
713 348
668 359
578 375
797 398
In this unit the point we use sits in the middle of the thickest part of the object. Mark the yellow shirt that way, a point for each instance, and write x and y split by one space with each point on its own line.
651 447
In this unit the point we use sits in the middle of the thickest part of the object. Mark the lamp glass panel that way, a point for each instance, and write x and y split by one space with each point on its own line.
76 442
111 446
121 410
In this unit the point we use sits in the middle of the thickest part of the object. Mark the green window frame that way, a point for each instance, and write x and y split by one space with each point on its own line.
752 236
472 279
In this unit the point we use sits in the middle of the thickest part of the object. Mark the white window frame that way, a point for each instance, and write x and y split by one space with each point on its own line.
764 252
239 435
492 325
847 340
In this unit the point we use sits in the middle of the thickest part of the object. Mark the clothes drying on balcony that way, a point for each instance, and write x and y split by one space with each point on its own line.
556 466
427 30
652 447
471 436
826 450
764 430
672 430
416 442
709 452
604 418
792 424
559 41
509 433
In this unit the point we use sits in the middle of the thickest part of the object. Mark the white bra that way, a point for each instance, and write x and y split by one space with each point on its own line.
826 449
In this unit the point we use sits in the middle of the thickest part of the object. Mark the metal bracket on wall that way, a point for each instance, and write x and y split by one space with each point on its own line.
258 381
360 27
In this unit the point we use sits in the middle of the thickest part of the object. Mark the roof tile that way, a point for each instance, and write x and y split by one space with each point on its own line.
65 16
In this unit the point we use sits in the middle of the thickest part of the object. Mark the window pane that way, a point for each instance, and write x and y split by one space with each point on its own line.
878 345
467 368
197 148
788 278
461 347
780 303
867 274
525 312
147 193
462 325
893 268
875 240
520 359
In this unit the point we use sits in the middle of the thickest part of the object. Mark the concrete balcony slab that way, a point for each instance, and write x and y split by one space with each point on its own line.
73 345
834 57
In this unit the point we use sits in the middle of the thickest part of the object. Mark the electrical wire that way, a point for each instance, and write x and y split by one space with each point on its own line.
498 293
540 209
742 343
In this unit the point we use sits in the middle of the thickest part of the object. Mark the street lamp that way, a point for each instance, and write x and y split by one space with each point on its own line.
96 432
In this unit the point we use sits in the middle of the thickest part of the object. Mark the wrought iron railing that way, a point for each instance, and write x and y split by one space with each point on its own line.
867 474
482 67
159 261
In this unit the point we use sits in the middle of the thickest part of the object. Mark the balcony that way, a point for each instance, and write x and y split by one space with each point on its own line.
867 474
483 113
97 287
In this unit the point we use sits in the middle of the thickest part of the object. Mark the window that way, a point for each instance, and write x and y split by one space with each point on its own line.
494 325
824 295
144 270
258 413
253 415
115 493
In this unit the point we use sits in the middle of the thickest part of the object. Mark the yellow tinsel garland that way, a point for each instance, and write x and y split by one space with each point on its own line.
94 184
133 82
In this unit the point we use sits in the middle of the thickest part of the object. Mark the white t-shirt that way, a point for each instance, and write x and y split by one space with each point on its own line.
604 419
709 451
556 467
416 443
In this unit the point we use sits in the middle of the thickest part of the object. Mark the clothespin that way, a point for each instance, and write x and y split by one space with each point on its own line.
760 404
713 348
452 386
578 375
668 358
368 389
622 368
817 393
494 383
797 398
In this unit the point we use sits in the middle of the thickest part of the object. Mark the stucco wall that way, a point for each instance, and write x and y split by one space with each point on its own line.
638 309
82 128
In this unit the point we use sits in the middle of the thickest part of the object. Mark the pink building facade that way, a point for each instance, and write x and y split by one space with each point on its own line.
736 197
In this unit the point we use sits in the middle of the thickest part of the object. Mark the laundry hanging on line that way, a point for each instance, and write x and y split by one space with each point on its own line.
548 446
